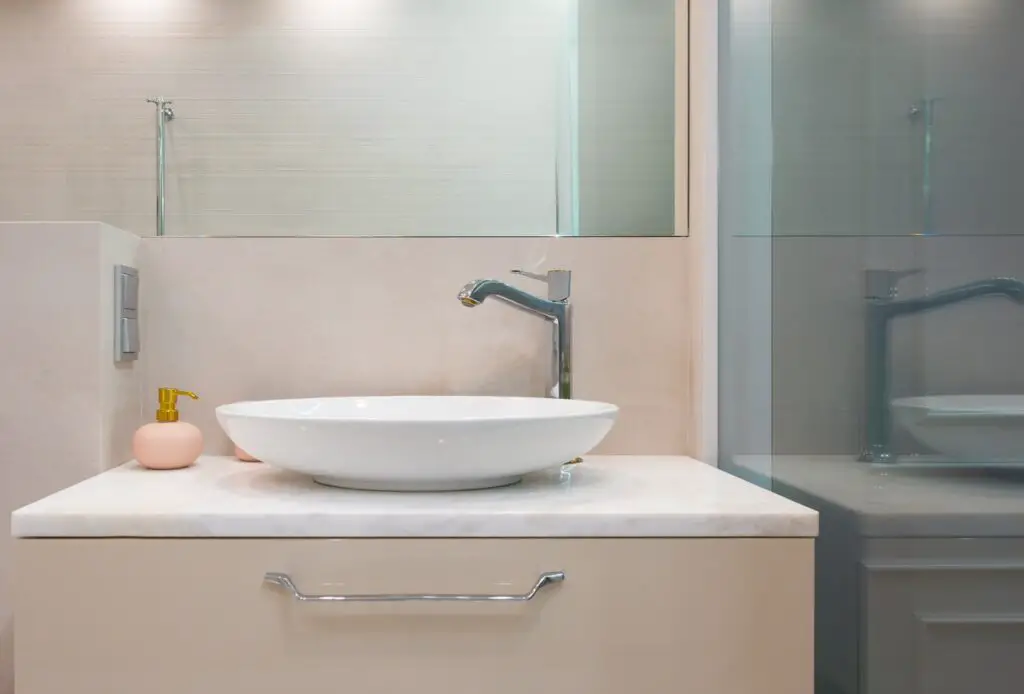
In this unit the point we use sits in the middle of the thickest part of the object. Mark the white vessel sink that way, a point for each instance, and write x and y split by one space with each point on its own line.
969 428
417 443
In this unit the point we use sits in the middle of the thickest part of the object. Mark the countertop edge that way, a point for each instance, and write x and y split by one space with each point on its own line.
706 505
802 526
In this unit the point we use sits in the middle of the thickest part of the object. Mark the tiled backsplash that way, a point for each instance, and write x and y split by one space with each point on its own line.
262 318
277 317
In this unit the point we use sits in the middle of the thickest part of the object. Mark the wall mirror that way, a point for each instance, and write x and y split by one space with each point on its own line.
349 117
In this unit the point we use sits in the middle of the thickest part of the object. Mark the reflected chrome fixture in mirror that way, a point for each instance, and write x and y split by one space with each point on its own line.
882 308
924 110
164 115
555 308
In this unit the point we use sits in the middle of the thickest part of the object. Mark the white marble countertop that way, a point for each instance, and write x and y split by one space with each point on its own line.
605 496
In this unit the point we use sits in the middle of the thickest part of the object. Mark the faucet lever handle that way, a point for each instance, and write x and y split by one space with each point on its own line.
884 284
559 282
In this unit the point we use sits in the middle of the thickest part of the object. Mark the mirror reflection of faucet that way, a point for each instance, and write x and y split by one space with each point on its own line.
555 309
883 307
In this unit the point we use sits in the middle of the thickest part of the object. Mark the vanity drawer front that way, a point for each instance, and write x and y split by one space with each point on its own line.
708 616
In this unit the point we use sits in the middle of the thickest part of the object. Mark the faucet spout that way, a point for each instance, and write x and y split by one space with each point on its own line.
556 311
475 293
880 314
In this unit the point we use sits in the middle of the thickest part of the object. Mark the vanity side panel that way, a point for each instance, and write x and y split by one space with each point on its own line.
717 616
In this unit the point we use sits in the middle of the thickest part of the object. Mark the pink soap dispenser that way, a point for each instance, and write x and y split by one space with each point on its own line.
168 444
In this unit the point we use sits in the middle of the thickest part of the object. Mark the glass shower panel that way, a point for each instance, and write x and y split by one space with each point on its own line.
745 229
883 303
968 359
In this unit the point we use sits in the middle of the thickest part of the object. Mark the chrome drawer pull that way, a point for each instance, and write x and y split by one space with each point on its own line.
285 581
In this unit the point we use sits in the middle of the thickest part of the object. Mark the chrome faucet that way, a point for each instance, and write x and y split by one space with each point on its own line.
556 309
882 308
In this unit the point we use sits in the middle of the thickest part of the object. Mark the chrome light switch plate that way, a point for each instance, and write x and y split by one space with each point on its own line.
126 313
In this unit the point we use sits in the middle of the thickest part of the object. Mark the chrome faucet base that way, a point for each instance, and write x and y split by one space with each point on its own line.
876 454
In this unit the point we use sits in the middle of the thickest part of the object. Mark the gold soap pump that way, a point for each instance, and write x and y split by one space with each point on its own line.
168 444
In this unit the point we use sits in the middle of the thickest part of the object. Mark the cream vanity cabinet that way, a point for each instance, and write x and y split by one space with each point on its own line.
102 614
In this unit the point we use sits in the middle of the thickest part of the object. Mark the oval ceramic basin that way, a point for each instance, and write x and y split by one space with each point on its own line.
417 443
969 428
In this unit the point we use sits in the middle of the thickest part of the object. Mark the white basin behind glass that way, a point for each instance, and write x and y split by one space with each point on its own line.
417 443
969 428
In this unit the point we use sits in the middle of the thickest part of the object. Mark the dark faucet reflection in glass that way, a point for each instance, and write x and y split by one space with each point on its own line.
883 307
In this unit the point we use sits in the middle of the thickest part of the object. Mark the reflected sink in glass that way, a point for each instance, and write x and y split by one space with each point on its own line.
417 443
982 428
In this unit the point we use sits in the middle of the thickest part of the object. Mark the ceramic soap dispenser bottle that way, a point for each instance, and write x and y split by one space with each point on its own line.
168 444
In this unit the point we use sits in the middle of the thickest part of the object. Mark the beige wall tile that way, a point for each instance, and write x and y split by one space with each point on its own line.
243 319
120 382
277 317
65 410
